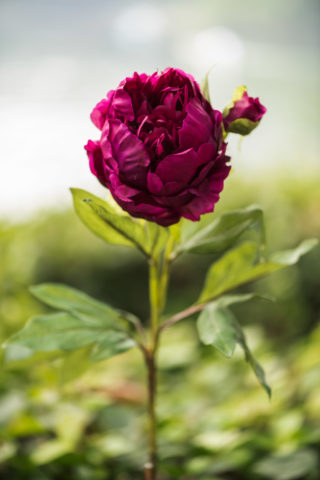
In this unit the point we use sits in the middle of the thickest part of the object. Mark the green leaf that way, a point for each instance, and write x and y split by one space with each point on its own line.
112 344
215 327
227 300
222 232
66 332
63 297
301 463
255 365
84 322
106 222
73 364
240 266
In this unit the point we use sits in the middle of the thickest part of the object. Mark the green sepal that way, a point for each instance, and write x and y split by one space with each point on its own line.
242 126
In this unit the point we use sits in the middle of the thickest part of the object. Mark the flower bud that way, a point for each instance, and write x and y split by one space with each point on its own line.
243 114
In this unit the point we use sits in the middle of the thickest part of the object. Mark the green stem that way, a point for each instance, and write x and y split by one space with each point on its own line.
150 468
158 284
154 293
166 271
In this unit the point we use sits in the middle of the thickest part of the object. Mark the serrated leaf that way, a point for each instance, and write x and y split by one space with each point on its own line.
215 327
240 266
106 222
66 332
220 233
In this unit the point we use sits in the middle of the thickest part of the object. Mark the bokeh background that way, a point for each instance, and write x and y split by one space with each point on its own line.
59 420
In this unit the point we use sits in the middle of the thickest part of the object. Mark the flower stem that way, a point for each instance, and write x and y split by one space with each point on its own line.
151 467
154 294
158 284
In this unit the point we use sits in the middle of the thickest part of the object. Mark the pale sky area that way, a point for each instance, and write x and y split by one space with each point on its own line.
59 58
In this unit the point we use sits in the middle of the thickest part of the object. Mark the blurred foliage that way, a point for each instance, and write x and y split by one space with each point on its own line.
61 420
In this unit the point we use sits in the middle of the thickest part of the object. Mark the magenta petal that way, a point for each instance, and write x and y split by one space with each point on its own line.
197 127
153 213
174 201
122 105
198 206
207 194
247 107
179 167
120 190
129 152
99 113
96 163
154 183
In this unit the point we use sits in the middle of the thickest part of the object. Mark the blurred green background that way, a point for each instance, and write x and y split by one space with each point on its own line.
62 421
59 420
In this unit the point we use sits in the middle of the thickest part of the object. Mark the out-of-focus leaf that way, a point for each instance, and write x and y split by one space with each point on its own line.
50 450
66 332
106 222
240 266
217 326
112 344
74 364
255 365
222 232
296 465
227 300
63 297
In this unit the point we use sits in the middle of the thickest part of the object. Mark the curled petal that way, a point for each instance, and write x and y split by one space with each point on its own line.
122 105
128 151
197 127
96 162
100 112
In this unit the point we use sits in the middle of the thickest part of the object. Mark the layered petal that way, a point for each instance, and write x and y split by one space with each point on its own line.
128 151
161 151
100 112
96 162
197 127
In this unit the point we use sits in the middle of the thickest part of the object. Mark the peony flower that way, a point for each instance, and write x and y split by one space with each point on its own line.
161 151
243 114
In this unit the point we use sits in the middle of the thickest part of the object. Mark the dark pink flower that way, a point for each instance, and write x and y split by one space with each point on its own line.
161 152
243 114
